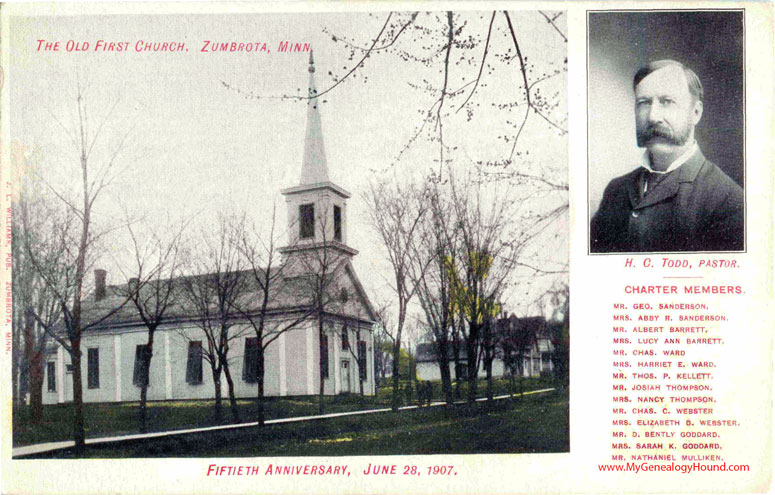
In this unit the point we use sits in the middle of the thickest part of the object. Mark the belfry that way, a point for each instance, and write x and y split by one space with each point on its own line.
317 208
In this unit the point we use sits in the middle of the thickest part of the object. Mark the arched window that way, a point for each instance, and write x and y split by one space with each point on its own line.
345 339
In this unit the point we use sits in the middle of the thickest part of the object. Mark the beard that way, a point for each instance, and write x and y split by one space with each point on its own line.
664 133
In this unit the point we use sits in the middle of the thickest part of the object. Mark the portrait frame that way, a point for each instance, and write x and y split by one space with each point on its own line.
609 72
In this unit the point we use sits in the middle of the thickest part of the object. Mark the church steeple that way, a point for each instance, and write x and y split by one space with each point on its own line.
317 208
314 169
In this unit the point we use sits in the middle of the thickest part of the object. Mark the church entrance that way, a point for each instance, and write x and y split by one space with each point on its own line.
345 376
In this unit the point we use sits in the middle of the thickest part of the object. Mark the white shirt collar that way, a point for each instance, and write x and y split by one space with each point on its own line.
646 162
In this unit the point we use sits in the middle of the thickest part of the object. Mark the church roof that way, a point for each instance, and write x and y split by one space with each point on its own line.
289 293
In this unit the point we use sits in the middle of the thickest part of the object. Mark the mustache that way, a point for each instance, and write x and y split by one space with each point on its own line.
659 131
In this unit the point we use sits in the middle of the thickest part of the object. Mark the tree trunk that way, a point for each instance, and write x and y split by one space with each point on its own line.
458 386
143 402
217 413
396 403
146 374
232 398
489 380
79 434
488 351
75 329
442 351
473 374
29 346
456 355
260 398
35 384
320 362
17 358
357 360
521 377
446 381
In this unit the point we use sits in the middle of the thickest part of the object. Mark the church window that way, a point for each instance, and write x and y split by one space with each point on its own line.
140 376
362 359
51 376
250 365
324 356
194 363
337 223
93 367
307 221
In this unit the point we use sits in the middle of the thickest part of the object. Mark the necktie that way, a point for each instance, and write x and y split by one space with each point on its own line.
649 181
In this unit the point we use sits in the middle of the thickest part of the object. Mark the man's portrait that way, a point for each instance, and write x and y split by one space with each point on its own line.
666 132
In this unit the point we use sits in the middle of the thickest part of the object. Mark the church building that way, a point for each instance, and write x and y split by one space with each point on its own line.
295 361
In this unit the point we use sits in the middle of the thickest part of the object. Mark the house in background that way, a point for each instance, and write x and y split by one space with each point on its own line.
525 345
531 334
317 216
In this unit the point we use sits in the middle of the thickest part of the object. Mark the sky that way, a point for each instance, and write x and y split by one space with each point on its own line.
195 148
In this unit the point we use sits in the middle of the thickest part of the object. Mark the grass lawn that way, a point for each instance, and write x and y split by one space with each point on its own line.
533 424
109 419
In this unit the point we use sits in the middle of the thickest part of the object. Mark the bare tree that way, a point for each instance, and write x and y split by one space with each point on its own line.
458 330
489 345
266 276
212 296
429 271
42 230
518 336
396 214
99 159
383 349
480 269
559 331
152 290
451 57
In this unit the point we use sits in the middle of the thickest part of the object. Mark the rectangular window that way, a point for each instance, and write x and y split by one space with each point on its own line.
324 356
362 359
93 367
337 223
307 221
345 339
250 364
461 371
142 355
51 375
194 363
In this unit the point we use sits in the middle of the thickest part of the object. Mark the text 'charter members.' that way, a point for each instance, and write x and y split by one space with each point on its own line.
676 200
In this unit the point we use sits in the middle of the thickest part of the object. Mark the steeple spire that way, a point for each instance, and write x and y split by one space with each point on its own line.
313 169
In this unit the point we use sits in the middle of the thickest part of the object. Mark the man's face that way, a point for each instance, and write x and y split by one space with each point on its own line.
665 110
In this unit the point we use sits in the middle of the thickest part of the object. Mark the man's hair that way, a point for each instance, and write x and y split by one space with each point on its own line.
695 86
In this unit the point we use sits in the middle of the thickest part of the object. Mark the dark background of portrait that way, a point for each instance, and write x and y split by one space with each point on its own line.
709 42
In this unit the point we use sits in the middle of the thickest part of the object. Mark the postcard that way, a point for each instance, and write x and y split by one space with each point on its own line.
455 247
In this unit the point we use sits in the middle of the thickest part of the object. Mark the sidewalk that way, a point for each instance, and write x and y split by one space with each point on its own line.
41 448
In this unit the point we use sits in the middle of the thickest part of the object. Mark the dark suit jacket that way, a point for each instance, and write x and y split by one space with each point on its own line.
694 208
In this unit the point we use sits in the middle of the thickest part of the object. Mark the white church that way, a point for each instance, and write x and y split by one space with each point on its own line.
317 217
